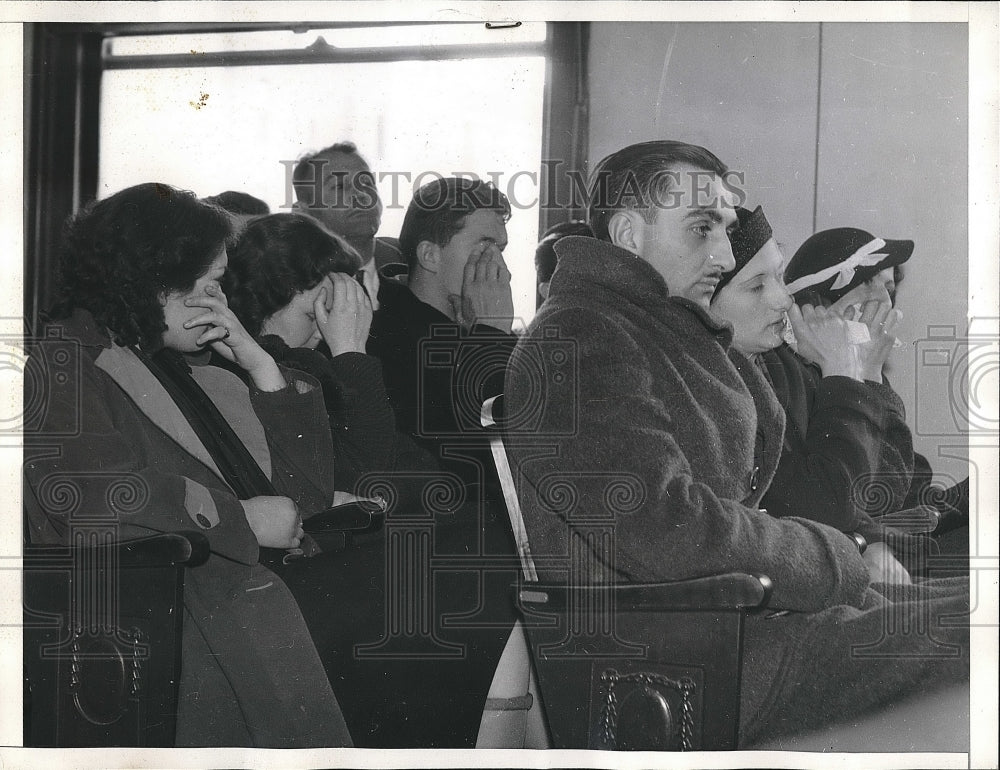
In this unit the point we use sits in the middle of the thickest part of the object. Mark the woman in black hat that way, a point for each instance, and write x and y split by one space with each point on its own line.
833 263
847 452
843 268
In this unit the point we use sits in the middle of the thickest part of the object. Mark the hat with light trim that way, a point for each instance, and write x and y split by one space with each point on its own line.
832 262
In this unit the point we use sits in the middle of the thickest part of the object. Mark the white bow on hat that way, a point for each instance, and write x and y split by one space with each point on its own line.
866 256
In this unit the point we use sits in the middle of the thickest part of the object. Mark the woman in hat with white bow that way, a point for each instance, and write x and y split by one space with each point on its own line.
842 269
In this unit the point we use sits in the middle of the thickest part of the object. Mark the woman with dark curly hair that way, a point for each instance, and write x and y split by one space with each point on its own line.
140 311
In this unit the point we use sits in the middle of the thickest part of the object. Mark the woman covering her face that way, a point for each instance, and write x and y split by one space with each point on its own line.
291 283
130 400
856 275
844 426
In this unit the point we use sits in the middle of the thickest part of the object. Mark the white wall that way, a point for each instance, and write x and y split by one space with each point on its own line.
894 161
745 91
888 105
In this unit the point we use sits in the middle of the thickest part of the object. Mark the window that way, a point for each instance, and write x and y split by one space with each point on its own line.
232 111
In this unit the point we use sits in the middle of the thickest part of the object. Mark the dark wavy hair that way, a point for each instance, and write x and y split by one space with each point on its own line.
275 258
307 175
121 255
239 203
545 252
439 208
636 177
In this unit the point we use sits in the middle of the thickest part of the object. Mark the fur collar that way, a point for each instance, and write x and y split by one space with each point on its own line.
591 263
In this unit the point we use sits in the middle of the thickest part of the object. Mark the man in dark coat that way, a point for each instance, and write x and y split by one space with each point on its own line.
444 337
659 423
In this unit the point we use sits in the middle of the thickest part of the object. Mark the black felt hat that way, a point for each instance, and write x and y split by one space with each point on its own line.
832 262
754 231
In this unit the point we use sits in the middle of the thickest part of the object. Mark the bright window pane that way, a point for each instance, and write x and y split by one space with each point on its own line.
229 128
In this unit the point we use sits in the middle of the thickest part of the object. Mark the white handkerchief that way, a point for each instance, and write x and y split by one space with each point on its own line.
788 334
857 333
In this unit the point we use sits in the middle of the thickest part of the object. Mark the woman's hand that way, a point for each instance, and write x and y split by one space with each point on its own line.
882 319
275 521
345 324
226 336
883 567
824 338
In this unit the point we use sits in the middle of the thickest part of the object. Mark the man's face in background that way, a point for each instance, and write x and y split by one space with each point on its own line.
349 204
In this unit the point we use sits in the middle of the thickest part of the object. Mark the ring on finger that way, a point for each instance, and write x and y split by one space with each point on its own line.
226 335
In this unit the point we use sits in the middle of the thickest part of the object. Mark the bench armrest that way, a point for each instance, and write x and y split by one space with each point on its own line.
733 591
189 548
356 517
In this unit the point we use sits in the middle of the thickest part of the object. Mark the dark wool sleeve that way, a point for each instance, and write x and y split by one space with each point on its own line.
363 425
897 459
91 455
362 422
395 344
598 450
437 376
923 476
855 462
298 438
